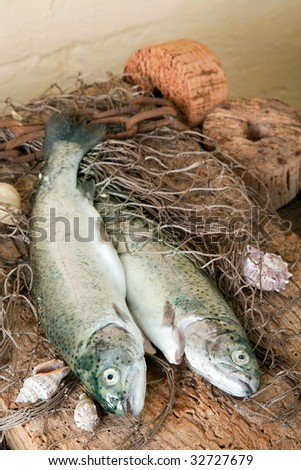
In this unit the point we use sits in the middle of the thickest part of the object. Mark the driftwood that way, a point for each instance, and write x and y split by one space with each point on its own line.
201 417
264 136
182 411
198 417
184 71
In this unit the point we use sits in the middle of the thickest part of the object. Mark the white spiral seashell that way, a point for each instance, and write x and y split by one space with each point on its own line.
265 271
10 203
85 413
42 386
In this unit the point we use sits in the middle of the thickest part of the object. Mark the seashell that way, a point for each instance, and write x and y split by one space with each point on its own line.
48 366
10 203
85 413
265 271
42 385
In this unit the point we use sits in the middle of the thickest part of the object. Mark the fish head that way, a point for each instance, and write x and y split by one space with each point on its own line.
221 353
113 370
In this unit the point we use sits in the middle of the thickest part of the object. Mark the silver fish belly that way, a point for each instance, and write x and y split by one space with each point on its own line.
79 282
183 313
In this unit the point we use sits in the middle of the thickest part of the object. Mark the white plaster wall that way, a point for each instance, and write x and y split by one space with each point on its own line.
44 41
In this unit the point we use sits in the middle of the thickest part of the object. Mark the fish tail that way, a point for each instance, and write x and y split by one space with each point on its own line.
61 127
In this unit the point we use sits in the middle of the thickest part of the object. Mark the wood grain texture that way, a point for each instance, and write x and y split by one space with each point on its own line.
292 213
202 417
264 136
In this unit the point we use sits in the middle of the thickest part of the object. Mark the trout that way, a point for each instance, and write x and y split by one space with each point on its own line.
79 283
179 308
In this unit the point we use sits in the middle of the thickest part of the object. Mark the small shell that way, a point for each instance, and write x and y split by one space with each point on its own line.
48 366
85 414
265 271
10 203
42 385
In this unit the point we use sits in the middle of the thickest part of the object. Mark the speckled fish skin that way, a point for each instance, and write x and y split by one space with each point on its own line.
183 313
79 286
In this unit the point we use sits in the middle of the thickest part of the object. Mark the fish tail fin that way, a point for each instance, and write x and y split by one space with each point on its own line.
62 127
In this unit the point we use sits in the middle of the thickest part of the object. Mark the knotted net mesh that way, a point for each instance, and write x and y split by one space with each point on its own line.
204 203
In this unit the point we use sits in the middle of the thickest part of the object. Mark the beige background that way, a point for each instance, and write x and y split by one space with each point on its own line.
45 41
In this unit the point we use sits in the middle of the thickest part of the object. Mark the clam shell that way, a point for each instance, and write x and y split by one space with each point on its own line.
265 271
42 385
10 203
85 414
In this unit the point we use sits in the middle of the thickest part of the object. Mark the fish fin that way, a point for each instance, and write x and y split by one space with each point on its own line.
87 188
180 340
119 312
176 350
61 127
148 347
169 314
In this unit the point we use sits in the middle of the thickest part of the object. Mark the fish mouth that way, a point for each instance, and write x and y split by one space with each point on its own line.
115 405
121 407
136 388
131 398
239 387
227 379
247 389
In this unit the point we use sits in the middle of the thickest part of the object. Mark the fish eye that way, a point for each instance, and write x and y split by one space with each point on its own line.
240 357
111 376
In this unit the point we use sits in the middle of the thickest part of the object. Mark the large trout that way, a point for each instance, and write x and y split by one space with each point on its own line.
79 282
179 308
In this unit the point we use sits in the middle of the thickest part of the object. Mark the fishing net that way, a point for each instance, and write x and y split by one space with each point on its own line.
179 183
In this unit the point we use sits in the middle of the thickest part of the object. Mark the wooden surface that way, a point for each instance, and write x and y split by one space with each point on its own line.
264 136
202 417
292 212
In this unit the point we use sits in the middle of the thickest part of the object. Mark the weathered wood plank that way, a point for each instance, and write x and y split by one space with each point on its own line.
202 417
